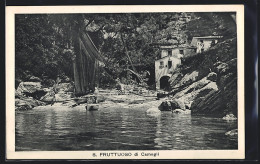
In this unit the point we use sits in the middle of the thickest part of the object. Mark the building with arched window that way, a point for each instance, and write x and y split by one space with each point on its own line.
170 58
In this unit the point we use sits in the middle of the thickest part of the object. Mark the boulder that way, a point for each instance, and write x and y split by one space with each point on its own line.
181 111
191 88
65 87
188 79
63 96
137 101
17 95
36 95
212 76
25 103
201 87
187 106
101 98
120 86
161 95
229 117
92 107
232 132
177 104
154 112
165 106
217 102
48 97
48 82
69 103
23 107
30 89
170 105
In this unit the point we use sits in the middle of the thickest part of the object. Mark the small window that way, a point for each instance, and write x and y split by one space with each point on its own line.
181 52
161 64
169 53
170 64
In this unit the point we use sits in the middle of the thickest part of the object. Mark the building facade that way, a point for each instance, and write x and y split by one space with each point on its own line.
164 67
171 57
203 43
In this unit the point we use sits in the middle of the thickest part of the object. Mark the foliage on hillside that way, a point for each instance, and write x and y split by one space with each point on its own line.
206 24
46 44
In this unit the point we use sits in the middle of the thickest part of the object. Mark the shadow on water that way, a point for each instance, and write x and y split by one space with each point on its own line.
119 129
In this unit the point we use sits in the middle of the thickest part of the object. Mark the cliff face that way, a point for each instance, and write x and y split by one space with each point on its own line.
207 82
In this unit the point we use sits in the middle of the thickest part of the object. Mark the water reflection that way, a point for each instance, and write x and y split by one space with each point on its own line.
118 129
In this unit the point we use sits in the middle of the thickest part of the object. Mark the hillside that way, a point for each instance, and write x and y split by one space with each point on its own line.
207 82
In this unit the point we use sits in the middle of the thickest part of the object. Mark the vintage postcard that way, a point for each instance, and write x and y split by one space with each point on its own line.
125 82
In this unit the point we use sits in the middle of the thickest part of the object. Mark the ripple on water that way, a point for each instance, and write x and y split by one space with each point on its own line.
61 128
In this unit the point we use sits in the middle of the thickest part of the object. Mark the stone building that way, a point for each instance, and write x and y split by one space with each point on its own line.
170 58
203 43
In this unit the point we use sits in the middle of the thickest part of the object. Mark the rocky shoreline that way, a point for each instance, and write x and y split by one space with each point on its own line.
31 94
111 98
207 82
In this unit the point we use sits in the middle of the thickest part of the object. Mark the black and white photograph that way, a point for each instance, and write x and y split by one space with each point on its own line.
121 84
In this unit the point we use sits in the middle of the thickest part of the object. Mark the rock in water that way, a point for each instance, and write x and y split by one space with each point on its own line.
25 103
229 117
171 105
153 110
177 104
161 95
137 101
180 111
101 98
231 132
165 106
92 107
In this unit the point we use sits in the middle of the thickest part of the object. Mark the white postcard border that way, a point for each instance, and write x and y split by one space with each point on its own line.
163 154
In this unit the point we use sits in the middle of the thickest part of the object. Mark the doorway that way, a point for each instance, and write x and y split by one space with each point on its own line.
164 83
